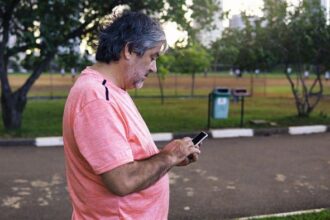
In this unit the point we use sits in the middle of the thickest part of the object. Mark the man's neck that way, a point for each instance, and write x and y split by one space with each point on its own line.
110 71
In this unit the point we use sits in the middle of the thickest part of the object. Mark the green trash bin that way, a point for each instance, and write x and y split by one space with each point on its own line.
220 103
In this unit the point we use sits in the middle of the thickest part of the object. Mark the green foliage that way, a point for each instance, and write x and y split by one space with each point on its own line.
226 49
200 8
165 64
72 60
192 59
44 29
47 25
295 36
303 35
201 23
284 35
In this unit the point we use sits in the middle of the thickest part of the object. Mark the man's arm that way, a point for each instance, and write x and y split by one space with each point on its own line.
138 175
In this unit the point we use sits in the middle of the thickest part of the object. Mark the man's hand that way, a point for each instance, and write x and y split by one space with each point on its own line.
138 175
182 151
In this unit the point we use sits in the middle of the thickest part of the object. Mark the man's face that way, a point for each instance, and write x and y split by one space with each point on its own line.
140 67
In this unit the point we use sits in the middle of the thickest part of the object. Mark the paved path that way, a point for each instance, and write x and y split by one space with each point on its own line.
233 178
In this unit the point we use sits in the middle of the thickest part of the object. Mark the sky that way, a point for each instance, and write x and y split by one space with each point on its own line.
252 6
233 6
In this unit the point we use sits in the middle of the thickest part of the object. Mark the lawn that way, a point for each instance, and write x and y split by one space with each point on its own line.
323 215
44 117
271 101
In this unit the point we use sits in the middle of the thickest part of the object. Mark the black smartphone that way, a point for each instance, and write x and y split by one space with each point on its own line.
199 138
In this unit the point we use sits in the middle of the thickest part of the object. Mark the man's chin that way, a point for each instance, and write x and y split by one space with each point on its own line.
139 84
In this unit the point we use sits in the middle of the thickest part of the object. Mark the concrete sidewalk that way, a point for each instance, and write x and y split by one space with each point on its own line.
233 178
214 133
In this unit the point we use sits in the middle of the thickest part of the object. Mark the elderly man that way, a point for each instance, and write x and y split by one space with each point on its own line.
114 169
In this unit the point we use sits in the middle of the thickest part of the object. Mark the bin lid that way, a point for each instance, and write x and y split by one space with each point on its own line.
240 92
221 91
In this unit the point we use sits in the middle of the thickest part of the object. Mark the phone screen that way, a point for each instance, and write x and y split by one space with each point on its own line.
199 138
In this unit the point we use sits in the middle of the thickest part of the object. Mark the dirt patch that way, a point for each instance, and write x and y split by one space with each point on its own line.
55 83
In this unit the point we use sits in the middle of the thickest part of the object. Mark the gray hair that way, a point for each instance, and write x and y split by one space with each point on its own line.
135 29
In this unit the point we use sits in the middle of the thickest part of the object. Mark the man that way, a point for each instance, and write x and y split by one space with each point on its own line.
114 169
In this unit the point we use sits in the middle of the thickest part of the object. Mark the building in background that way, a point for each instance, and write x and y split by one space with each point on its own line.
236 22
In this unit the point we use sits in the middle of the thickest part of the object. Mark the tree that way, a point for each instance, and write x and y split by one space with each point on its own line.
226 49
40 28
274 34
293 36
310 37
240 47
191 60
164 66
67 61
304 42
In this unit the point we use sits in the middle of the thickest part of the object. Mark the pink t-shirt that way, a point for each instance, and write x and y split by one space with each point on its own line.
102 129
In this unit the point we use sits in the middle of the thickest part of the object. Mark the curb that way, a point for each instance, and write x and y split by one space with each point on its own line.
17 142
213 133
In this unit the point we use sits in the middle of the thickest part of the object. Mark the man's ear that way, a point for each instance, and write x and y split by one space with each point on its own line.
126 52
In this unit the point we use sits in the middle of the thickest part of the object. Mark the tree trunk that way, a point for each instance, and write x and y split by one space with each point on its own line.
205 73
193 84
176 84
251 83
13 103
12 106
160 83
294 93
307 99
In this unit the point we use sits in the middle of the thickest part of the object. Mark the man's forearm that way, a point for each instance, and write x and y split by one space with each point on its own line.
138 175
152 169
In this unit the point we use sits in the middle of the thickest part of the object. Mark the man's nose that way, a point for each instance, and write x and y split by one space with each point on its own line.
153 66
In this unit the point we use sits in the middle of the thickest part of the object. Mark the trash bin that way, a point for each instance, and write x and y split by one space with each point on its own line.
240 92
220 102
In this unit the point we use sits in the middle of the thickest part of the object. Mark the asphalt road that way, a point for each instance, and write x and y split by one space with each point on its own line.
233 178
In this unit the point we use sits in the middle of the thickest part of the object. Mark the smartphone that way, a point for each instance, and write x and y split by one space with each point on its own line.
199 138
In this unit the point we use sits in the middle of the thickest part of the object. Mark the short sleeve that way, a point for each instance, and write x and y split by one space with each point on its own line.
100 134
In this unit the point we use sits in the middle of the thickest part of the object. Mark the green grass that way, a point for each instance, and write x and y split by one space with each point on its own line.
273 104
191 114
44 117
324 215
41 118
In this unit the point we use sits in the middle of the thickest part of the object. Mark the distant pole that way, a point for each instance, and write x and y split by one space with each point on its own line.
242 111
251 83
209 112
176 84
51 86
265 84
215 80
